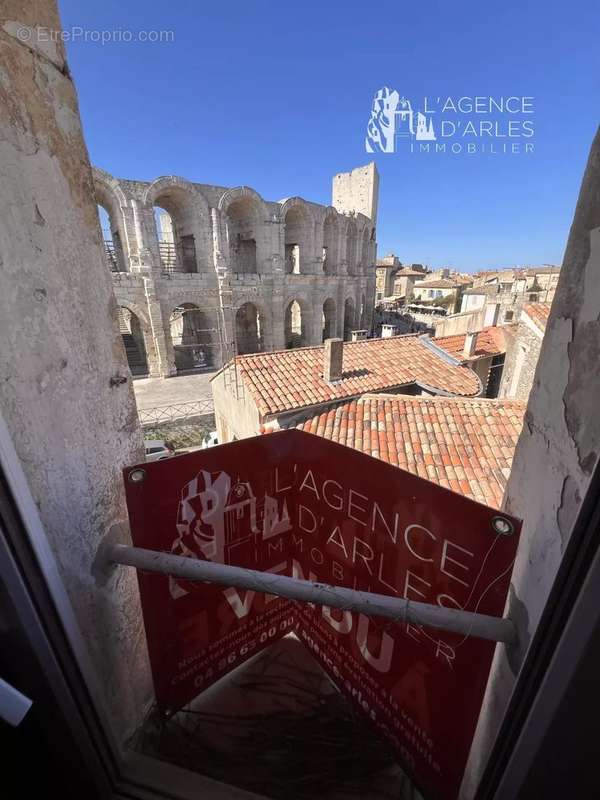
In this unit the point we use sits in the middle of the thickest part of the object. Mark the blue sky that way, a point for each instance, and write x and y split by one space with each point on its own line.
277 95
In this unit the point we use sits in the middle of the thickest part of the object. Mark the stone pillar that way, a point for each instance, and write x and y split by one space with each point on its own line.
162 363
149 240
67 397
142 254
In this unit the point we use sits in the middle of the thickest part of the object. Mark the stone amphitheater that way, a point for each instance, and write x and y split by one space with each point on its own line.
203 272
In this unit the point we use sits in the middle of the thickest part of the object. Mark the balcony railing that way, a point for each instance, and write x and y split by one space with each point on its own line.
112 258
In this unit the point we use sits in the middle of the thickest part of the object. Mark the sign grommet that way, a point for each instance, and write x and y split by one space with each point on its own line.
502 526
137 475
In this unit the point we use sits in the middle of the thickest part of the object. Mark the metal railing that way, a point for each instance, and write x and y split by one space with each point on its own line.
112 258
168 256
176 412
468 623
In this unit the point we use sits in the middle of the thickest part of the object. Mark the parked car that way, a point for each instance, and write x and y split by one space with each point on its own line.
211 440
157 449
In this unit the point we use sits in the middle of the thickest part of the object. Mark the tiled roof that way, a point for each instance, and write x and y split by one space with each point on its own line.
293 379
483 288
464 445
547 269
463 279
538 313
410 273
490 342
437 283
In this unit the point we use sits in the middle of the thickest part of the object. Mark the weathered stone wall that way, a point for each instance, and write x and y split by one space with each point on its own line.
246 250
522 354
67 397
357 191
556 453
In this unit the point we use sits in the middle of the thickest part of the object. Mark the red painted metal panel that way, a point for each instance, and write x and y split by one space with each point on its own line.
301 505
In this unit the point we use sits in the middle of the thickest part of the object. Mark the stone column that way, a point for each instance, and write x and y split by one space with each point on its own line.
67 396
162 364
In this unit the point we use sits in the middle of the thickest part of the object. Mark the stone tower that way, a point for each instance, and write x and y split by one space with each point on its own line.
357 190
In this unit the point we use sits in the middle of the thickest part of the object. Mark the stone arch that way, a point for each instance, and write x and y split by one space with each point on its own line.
351 247
245 221
296 324
331 235
182 224
194 336
298 221
134 332
328 320
250 328
349 318
110 197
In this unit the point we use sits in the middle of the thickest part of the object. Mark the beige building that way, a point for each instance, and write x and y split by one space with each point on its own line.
203 272
270 390
391 275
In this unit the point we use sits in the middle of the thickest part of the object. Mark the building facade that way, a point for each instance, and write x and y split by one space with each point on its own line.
202 273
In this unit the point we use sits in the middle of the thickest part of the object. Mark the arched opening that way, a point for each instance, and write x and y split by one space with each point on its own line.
133 341
175 218
297 231
348 319
242 231
351 248
294 326
249 329
193 339
113 247
330 245
328 319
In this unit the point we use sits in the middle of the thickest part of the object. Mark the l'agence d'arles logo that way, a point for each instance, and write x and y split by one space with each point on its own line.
455 125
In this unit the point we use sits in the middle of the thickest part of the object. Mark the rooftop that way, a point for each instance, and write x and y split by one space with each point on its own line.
490 342
410 273
293 379
464 445
438 283
538 313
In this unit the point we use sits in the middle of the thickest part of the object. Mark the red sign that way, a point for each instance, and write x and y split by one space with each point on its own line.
297 504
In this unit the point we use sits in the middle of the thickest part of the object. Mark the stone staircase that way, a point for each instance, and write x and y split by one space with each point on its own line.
135 359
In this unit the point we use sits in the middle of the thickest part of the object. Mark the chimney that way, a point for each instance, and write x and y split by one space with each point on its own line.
491 314
358 336
387 331
333 356
470 344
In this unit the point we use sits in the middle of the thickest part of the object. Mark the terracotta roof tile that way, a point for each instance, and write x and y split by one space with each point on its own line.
490 342
475 458
292 379
538 313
